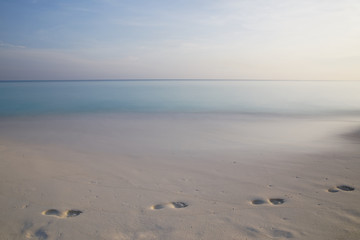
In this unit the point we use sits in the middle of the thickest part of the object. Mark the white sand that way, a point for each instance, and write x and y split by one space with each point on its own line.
129 173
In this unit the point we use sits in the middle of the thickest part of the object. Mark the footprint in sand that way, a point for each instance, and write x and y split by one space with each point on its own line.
277 233
345 188
52 212
170 205
341 187
39 234
57 213
258 201
273 201
332 190
276 201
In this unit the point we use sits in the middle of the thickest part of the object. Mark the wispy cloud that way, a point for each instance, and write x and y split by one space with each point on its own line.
9 45
79 9
139 23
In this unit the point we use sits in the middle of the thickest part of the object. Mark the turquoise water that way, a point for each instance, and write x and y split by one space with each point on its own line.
270 97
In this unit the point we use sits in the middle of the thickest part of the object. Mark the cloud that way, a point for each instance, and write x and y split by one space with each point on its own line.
8 45
139 23
41 64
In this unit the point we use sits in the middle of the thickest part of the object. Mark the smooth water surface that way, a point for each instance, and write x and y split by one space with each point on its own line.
272 97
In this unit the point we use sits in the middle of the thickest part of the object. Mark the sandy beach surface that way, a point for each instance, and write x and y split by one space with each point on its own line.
180 176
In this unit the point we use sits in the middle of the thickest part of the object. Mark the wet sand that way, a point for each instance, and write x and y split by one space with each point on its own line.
180 176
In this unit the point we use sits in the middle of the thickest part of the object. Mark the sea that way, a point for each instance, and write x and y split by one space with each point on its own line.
32 98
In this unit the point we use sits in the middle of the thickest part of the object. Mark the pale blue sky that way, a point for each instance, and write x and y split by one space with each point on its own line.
243 39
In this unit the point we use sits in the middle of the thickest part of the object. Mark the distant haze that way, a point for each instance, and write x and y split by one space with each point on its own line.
212 39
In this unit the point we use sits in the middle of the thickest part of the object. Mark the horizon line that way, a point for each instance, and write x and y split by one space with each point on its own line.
170 79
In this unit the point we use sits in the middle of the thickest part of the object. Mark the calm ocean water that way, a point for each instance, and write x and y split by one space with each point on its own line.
269 97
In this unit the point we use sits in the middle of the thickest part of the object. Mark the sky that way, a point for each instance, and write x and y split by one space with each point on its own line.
180 39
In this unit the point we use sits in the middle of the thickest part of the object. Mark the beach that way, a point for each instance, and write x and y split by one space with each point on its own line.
179 176
179 120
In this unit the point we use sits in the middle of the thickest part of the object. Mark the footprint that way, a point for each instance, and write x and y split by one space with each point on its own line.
52 212
73 213
257 201
276 201
332 190
179 204
170 205
345 188
273 201
26 226
341 187
277 233
158 206
39 234
57 213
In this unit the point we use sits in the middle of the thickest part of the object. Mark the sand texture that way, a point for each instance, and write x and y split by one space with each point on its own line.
179 176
